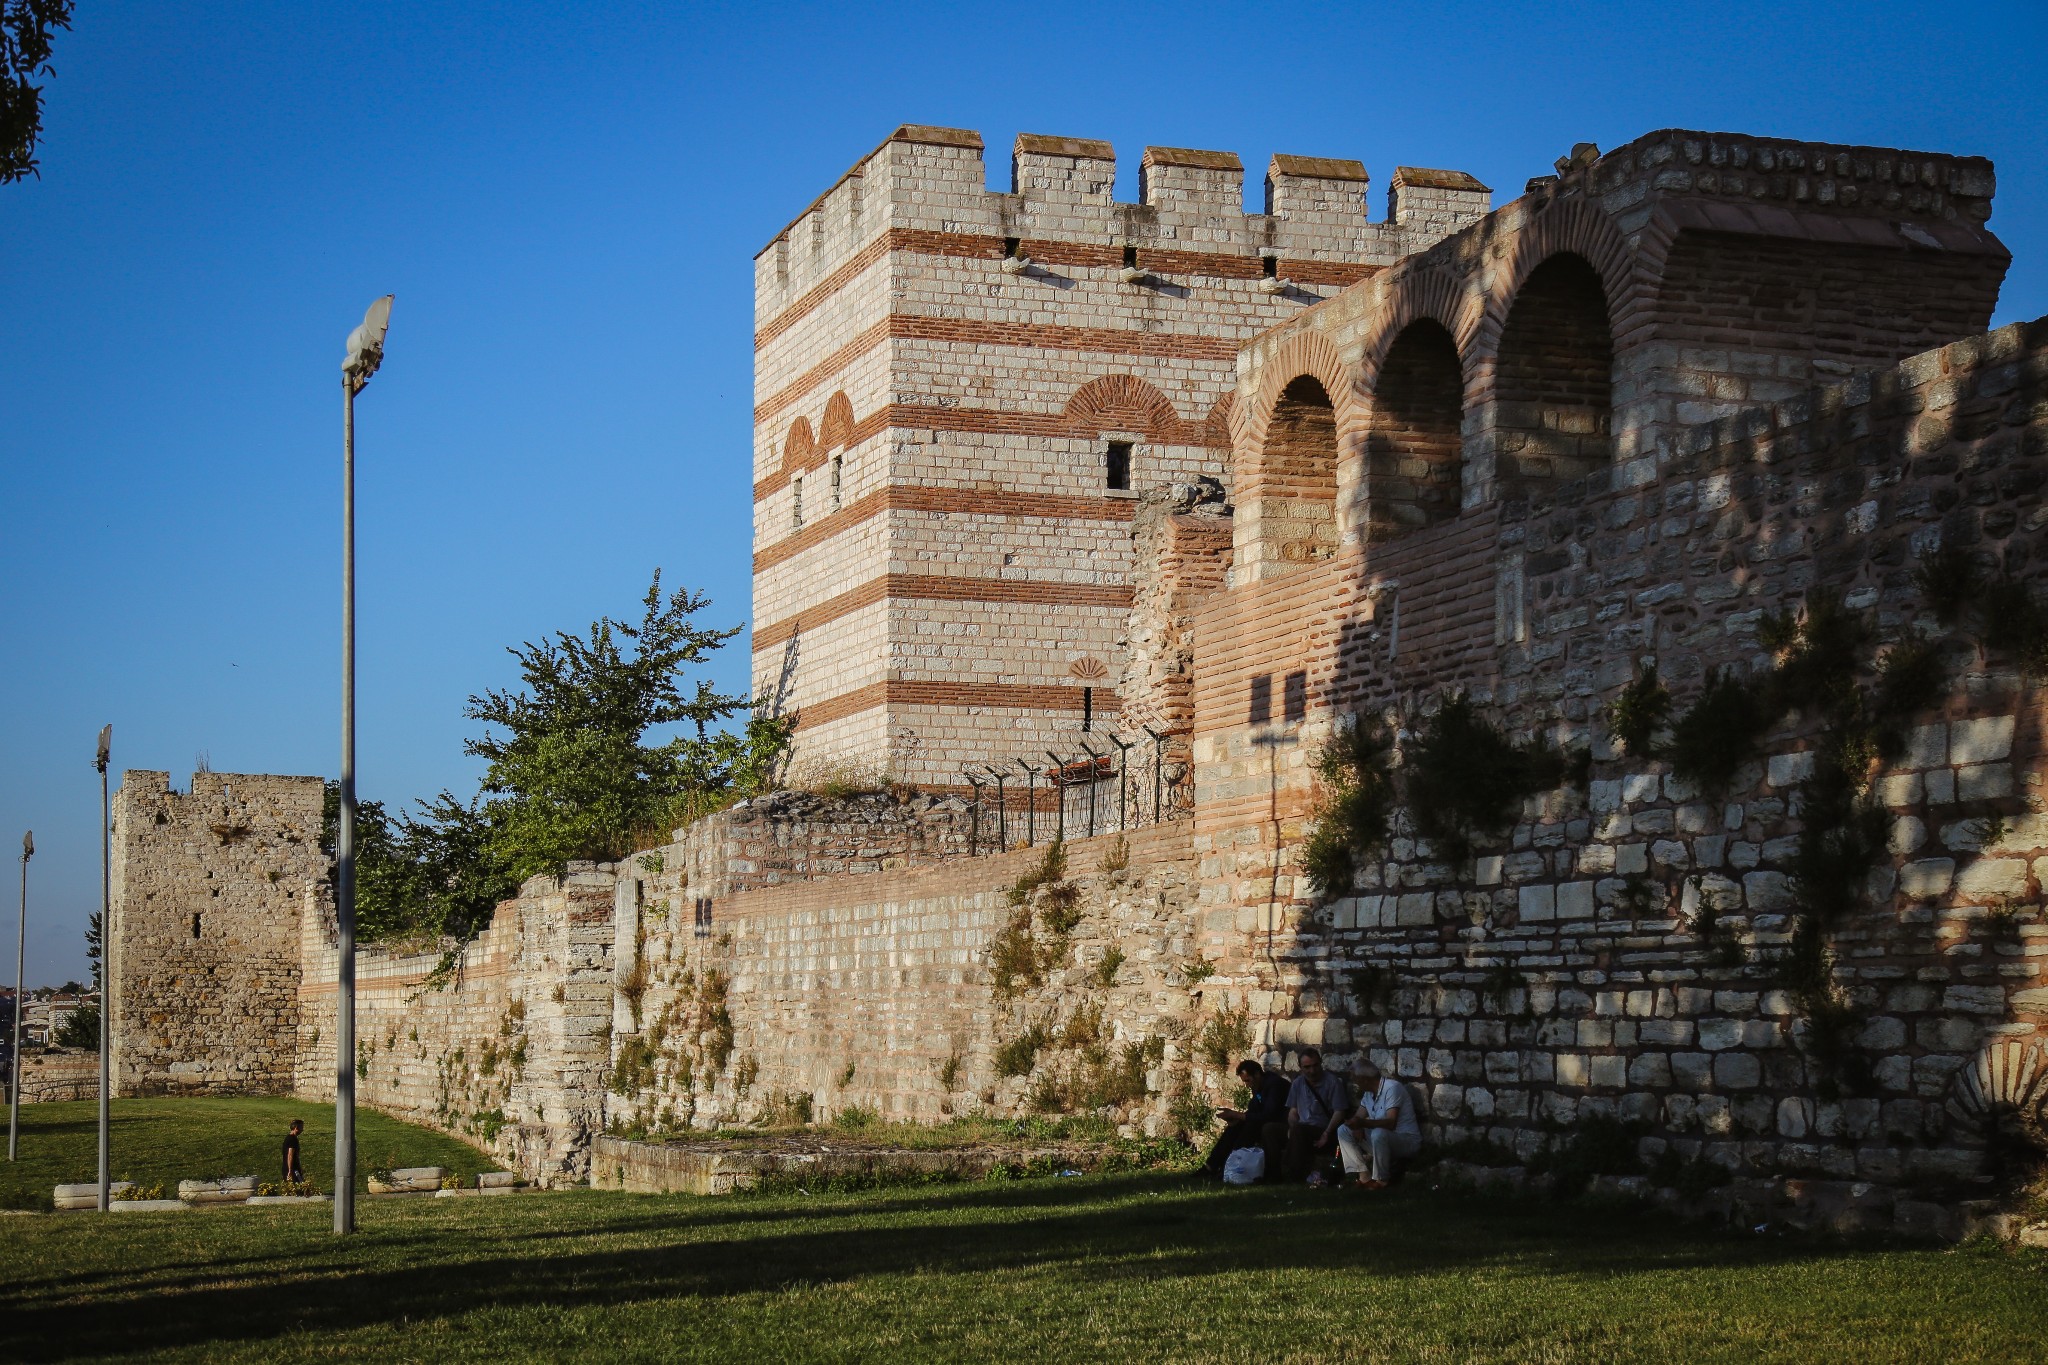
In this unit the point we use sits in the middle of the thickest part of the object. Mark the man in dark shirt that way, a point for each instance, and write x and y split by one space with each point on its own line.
293 1172
1261 1123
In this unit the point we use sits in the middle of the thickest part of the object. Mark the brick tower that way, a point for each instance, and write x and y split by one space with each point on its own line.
961 395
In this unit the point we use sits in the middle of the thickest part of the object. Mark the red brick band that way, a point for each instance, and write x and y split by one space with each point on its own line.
942 588
1007 696
952 501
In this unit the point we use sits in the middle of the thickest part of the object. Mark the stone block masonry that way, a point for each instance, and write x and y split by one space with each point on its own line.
208 887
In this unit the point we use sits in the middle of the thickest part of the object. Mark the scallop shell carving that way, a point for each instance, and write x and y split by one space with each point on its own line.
1088 669
2004 1087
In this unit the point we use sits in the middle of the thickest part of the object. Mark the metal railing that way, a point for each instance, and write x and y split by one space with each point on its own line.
1106 785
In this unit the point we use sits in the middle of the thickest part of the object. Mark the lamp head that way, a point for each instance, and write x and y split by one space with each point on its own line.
366 344
28 845
106 747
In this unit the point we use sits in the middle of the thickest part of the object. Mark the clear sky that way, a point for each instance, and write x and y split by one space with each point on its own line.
566 201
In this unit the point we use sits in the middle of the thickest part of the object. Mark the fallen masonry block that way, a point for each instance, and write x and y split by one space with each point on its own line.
86 1196
409 1180
234 1189
497 1179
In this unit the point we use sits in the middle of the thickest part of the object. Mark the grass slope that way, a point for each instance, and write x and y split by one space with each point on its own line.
1097 1268
169 1140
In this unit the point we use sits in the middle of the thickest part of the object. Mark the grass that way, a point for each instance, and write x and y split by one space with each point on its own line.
169 1140
1119 1267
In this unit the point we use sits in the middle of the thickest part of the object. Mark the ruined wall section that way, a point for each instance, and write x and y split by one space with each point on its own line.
1564 975
206 893
1180 551
502 1041
875 991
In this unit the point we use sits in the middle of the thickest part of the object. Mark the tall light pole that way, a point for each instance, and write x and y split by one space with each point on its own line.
365 353
106 963
28 850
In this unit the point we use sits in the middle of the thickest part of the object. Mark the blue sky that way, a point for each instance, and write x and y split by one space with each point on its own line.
567 203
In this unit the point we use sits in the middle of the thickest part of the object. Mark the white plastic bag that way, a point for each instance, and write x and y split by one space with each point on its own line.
1244 1166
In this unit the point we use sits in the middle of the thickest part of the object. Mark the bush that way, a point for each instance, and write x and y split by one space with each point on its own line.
1020 1054
1225 1037
1466 780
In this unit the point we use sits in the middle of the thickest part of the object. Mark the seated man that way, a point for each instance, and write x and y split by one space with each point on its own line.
1261 1123
1316 1103
1381 1130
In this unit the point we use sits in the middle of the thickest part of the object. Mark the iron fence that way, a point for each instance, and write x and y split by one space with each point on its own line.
1106 785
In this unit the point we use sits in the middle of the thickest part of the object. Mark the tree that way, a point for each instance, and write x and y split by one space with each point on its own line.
421 876
81 1028
25 29
571 775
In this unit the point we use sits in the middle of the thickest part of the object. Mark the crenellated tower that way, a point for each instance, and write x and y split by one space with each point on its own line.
960 395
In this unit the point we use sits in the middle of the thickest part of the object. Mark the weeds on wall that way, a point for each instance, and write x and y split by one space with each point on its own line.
1225 1037
1357 803
1636 716
1020 1054
1466 780
1106 970
1043 898
2004 615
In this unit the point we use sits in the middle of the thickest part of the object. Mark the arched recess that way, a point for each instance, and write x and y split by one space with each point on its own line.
1121 402
837 427
1414 447
798 446
1553 376
1297 492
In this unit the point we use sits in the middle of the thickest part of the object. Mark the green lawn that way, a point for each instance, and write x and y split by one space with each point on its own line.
1135 1267
167 1141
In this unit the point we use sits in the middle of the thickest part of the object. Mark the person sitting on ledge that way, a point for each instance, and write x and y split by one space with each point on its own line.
1261 1123
1316 1103
1381 1130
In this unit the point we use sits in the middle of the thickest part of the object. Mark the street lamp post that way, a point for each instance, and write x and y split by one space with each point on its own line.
106 966
28 850
365 353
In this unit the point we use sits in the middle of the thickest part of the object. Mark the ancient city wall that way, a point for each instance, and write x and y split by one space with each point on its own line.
1566 973
876 990
501 1041
207 890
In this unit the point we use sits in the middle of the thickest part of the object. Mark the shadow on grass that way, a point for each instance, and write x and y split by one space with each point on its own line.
1126 1229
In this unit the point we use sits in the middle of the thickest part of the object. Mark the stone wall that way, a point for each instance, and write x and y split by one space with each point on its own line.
207 891
875 991
1562 975
60 1074
501 1041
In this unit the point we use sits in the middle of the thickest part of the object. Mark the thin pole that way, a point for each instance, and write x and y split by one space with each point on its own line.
345 843
1057 775
1030 803
1094 781
106 979
28 848
1002 811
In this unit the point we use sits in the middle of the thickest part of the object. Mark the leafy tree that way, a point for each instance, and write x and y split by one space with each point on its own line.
81 1028
420 876
25 29
571 774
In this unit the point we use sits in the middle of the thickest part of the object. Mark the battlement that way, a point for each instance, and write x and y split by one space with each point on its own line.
924 179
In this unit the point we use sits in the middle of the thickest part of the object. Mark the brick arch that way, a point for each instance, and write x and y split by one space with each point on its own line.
1121 402
1218 423
1414 450
798 446
837 427
1552 376
1306 353
1298 435
1450 302
1564 227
